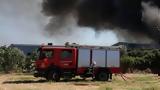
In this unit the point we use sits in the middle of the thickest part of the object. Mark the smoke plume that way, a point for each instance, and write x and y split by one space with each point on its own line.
129 16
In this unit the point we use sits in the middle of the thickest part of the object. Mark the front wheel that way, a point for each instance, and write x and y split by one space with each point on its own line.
102 76
53 75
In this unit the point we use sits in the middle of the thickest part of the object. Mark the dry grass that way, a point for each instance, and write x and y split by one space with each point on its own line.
28 82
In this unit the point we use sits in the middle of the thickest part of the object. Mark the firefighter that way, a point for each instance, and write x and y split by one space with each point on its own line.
92 68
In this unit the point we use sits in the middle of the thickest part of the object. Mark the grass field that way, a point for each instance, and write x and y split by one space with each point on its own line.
28 82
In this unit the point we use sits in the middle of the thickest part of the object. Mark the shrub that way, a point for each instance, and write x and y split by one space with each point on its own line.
127 62
29 62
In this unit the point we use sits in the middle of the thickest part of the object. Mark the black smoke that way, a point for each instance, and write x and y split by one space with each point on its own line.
58 7
124 14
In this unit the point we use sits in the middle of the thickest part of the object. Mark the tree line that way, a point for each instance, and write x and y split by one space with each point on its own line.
14 60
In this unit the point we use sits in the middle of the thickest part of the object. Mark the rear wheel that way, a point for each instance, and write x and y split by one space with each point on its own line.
53 75
102 76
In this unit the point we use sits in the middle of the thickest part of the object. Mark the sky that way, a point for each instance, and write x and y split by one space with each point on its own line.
22 22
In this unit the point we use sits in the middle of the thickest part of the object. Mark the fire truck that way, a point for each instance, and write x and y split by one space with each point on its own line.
70 60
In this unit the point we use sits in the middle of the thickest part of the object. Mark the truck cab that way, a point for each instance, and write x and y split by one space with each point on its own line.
55 60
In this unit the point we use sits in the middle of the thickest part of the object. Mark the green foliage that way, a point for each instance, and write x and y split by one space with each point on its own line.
29 62
11 59
141 59
127 62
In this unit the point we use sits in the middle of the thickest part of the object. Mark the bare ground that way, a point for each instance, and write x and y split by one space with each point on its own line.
28 82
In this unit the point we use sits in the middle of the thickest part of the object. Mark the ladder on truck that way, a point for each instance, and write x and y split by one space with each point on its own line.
92 46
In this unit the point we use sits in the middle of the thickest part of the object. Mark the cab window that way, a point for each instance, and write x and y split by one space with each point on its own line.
66 54
46 54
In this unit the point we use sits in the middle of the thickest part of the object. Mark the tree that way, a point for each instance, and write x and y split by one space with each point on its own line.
141 59
11 59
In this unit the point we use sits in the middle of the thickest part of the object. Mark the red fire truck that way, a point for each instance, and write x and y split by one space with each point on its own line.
70 60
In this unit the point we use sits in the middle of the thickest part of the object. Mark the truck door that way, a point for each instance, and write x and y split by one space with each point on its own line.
45 59
67 58
84 57
99 56
113 58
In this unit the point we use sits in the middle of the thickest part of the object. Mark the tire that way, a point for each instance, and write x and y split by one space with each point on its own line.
102 76
53 75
